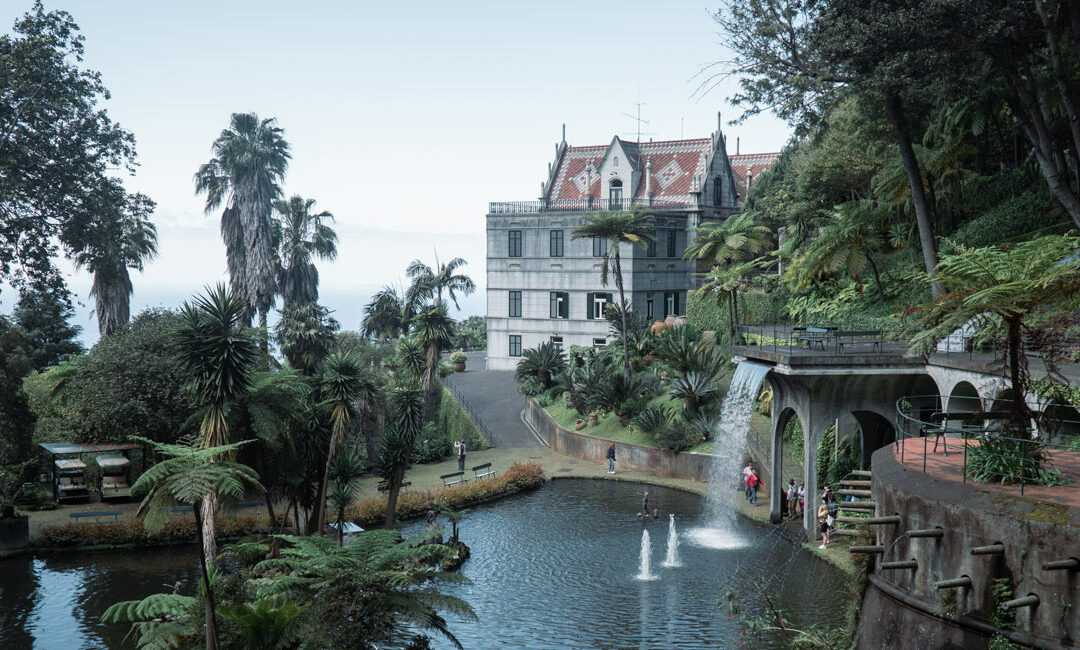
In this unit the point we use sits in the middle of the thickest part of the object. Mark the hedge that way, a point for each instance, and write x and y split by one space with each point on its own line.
455 423
177 531
517 478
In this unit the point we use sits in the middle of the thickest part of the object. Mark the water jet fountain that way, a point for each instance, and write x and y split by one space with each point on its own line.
644 572
672 559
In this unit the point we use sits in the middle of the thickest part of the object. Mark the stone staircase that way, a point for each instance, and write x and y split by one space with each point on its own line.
854 513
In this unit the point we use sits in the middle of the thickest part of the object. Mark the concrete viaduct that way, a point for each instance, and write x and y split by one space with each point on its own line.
860 385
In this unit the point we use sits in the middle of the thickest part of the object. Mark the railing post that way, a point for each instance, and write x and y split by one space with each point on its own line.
924 452
1023 462
963 441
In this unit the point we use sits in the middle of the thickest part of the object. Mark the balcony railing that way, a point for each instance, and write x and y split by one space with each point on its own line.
583 205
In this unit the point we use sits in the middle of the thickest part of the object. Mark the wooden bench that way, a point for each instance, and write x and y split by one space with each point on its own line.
453 478
480 471
813 336
115 514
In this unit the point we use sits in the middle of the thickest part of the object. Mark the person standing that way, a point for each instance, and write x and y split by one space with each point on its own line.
460 445
801 492
827 514
752 483
792 496
611 459
746 479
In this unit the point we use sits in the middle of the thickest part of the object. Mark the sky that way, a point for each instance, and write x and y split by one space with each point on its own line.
405 119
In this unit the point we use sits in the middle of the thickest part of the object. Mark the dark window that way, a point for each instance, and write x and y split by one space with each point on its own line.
599 343
651 250
671 243
515 304
515 345
556 243
672 305
648 309
515 243
599 247
615 194
595 304
560 304
557 342
717 191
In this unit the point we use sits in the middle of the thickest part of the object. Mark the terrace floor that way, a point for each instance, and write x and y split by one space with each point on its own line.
917 454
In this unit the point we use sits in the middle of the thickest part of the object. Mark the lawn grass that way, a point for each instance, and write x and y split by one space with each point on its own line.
610 429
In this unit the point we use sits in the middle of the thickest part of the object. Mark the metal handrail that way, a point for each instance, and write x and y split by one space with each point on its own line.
792 340
474 415
921 416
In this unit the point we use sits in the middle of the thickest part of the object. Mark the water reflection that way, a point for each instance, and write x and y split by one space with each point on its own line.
554 568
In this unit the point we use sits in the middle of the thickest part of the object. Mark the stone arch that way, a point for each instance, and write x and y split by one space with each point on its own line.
875 432
1061 420
963 398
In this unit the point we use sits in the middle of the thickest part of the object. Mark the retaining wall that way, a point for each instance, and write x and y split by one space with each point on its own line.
685 465
903 609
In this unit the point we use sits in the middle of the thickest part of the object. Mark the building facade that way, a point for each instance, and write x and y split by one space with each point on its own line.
543 285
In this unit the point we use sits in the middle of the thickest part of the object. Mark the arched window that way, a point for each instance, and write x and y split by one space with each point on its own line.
717 191
615 194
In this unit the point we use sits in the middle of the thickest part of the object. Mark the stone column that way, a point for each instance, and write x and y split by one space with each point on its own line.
776 466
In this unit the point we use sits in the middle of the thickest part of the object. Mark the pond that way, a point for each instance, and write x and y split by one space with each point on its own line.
558 567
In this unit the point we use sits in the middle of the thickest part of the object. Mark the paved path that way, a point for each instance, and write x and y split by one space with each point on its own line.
493 395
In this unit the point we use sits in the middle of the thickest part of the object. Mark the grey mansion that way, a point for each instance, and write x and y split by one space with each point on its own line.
544 286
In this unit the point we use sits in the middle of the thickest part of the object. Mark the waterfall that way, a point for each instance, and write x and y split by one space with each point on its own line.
644 573
725 474
672 559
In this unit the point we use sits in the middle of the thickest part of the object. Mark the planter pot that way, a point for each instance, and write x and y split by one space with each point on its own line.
459 367
579 424
14 532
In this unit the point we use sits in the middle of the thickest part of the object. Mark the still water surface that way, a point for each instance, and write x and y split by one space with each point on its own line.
554 568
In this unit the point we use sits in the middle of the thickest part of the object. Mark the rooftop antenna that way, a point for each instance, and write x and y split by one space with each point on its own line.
637 118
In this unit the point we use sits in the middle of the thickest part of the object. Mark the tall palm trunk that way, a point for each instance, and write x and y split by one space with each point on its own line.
622 313
894 110
326 482
208 590
264 337
208 528
391 498
430 375
1020 415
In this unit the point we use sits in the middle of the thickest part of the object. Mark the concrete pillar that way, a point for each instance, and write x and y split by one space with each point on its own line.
776 467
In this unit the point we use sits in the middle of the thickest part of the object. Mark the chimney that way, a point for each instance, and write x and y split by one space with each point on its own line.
564 133
648 178
736 146
588 180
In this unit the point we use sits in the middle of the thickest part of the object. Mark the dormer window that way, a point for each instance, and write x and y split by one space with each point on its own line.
615 194
717 191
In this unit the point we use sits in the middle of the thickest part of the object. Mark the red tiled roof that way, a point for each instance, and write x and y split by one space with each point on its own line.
674 165
752 164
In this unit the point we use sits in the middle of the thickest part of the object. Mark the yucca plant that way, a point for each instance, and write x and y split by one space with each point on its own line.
695 390
653 419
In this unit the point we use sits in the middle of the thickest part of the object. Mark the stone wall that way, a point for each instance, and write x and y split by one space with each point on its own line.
686 465
903 609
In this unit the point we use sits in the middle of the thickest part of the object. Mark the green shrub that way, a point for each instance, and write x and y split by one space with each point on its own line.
652 419
177 531
529 386
458 357
1006 460
675 436
1025 213
439 444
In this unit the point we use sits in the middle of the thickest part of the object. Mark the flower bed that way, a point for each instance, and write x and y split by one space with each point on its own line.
178 531
518 477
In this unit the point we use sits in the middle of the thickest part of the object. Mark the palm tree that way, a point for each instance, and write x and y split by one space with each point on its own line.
542 363
118 237
348 468
306 335
617 228
249 163
302 235
343 384
404 422
432 283
192 475
734 239
434 329
389 314
1009 289
846 243
727 281
219 358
